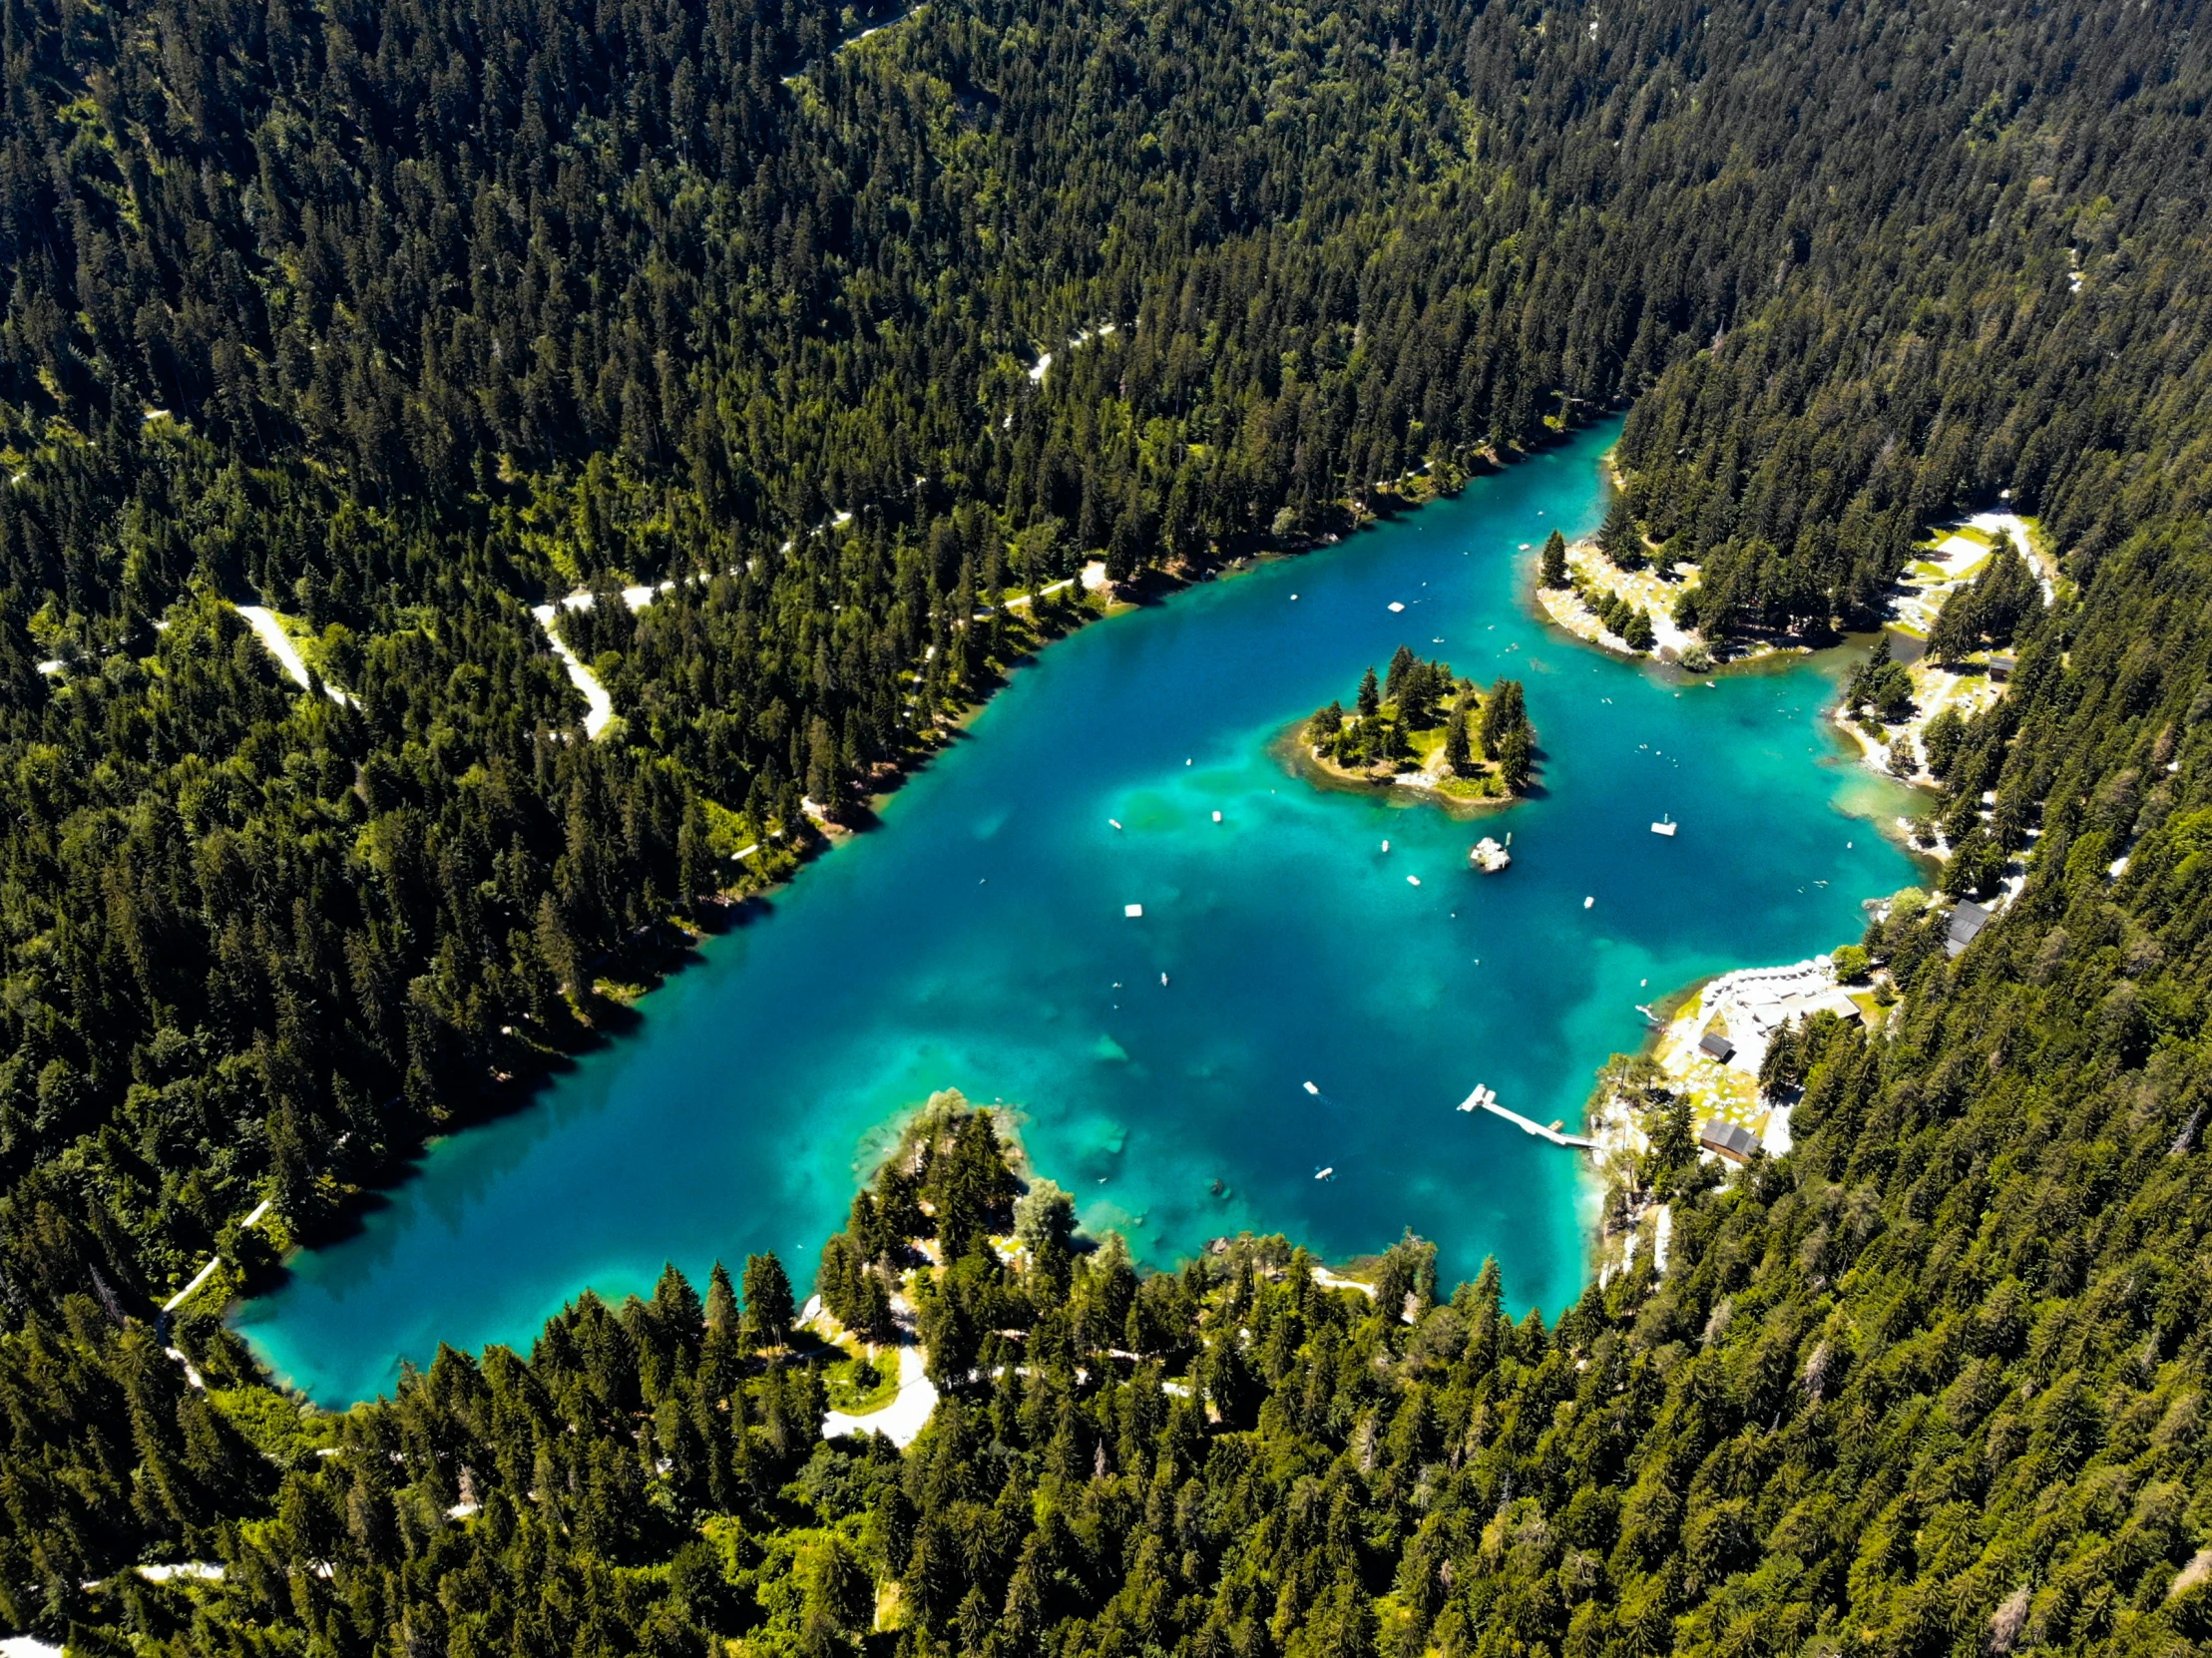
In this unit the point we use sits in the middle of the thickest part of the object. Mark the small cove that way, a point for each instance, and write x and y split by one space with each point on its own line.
978 940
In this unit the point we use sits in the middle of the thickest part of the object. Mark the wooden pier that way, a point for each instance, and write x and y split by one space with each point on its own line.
1580 1141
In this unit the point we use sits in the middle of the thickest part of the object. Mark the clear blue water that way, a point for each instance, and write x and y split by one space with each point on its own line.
977 940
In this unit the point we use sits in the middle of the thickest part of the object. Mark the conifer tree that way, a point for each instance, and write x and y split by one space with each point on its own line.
768 1309
1517 759
1551 569
1620 538
1402 662
1456 754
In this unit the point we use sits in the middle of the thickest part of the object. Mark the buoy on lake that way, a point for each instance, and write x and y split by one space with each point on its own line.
1589 903
1132 911
1310 1088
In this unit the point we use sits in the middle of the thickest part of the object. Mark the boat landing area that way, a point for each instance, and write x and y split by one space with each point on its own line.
1488 1102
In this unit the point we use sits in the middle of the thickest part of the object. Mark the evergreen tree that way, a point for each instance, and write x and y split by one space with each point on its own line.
1402 662
1456 754
1620 538
722 1300
1517 759
1505 711
1551 569
768 1309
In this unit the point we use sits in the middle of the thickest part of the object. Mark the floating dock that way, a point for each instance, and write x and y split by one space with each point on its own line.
1488 1102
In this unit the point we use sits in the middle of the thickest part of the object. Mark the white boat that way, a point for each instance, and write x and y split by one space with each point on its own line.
1116 822
1488 856
1310 1088
1132 911
1163 978
1324 1173
1218 817
1589 903
1667 827
1412 880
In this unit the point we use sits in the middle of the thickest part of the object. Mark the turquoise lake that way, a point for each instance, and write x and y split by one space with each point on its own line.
978 940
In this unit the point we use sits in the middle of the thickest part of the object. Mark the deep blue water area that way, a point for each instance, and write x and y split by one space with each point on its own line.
978 940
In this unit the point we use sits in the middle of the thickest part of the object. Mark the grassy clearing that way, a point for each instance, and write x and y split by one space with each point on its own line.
859 1387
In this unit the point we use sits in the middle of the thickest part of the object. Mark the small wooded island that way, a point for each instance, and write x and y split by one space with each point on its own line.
1424 727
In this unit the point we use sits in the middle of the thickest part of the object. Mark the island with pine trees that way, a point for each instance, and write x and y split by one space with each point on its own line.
1423 727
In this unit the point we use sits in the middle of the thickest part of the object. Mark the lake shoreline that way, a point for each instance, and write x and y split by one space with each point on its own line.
1298 760
1606 1179
644 961
987 949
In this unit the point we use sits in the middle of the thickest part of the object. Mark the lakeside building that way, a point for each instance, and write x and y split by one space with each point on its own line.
1730 1140
1966 920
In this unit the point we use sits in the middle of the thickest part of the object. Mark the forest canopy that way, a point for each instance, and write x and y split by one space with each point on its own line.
398 320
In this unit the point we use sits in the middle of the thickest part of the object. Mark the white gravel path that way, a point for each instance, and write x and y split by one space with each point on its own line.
902 1419
272 633
598 706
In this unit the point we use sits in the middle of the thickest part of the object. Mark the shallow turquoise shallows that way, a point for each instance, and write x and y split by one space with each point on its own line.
978 940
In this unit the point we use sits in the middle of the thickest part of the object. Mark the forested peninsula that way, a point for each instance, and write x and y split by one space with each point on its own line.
391 324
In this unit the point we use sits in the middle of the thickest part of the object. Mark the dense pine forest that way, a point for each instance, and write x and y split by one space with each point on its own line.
399 321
